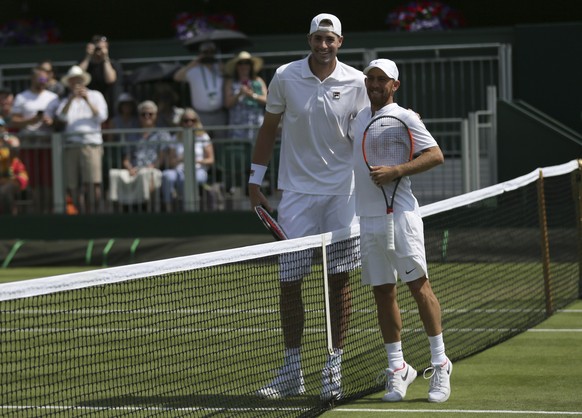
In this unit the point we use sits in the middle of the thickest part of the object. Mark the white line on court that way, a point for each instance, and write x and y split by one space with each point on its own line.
457 411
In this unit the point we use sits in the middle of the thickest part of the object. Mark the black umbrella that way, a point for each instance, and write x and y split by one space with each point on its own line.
226 40
154 72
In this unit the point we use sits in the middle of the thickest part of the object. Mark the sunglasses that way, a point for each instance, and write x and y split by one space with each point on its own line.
144 114
189 120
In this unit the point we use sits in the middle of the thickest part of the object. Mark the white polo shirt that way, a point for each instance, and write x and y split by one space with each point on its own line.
316 151
80 118
206 88
369 198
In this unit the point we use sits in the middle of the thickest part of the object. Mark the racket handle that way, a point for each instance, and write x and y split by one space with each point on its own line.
390 231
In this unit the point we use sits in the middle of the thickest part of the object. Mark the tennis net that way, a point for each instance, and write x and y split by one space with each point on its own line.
198 335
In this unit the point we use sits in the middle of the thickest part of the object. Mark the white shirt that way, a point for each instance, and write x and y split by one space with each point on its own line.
205 88
28 104
316 151
80 118
369 198
201 140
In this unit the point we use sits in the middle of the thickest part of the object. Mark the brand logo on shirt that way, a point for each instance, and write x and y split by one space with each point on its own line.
336 95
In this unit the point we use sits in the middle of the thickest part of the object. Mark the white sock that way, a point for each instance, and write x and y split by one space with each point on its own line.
437 350
293 358
395 355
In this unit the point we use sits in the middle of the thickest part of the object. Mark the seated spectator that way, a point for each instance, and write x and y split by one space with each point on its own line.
173 176
126 116
167 99
136 183
13 174
82 114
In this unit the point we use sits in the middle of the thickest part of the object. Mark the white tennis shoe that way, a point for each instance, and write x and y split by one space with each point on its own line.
397 382
440 381
287 383
331 378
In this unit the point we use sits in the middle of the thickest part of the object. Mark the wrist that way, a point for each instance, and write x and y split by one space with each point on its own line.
257 174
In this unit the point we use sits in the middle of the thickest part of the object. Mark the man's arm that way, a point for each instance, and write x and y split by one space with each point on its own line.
428 158
180 75
262 154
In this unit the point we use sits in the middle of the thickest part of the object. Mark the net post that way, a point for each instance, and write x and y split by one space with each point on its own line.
544 244
326 296
577 195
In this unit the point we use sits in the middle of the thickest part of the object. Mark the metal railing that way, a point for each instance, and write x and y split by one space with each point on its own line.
466 142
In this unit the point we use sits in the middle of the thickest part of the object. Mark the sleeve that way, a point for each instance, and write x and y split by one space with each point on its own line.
422 138
17 105
101 104
275 96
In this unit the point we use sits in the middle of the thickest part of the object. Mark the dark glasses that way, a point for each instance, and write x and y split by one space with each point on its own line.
143 114
189 120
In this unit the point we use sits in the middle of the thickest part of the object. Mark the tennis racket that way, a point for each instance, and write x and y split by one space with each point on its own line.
387 141
270 223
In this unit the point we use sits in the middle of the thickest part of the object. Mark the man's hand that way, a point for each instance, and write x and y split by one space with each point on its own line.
257 197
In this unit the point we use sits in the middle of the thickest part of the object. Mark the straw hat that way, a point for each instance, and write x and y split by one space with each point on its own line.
76 71
243 56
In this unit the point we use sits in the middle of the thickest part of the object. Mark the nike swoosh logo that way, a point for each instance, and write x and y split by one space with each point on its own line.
406 375
410 271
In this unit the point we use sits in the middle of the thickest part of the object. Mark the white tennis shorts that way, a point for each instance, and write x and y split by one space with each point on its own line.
381 266
302 215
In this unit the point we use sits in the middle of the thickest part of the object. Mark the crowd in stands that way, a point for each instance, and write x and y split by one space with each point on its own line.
141 166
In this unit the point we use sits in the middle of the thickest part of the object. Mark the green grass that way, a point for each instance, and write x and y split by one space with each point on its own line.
140 340
531 373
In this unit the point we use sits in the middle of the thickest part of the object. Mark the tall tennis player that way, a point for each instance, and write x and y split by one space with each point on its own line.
315 98
381 265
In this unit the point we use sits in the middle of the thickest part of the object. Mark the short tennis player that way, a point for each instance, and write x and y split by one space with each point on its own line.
380 266
315 98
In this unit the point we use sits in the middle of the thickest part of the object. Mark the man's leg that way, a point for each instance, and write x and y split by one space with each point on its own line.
289 380
430 314
399 374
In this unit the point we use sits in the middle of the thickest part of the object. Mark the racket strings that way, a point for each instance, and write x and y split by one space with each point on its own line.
387 144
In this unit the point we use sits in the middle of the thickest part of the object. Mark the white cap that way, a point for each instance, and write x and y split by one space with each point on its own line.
317 25
389 67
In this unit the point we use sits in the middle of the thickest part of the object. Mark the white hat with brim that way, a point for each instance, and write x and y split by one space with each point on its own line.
243 56
387 66
320 24
76 71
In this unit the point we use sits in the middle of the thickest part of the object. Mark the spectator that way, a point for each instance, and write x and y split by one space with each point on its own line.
166 98
173 175
245 94
140 177
106 73
13 174
6 102
33 108
125 116
52 84
83 112
204 74
32 117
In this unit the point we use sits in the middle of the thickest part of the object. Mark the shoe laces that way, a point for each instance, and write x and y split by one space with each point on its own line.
435 374
386 378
